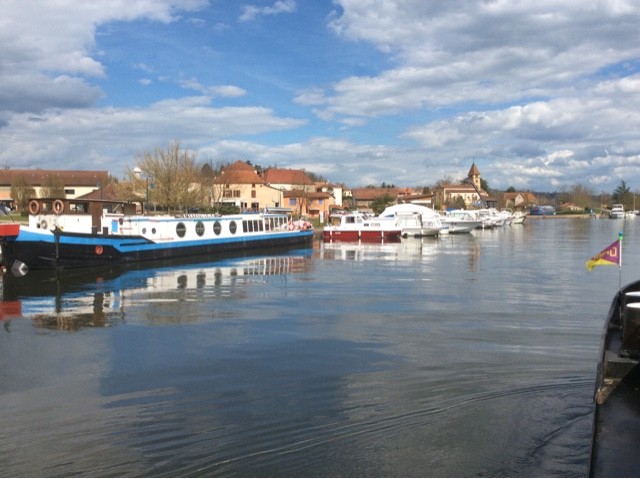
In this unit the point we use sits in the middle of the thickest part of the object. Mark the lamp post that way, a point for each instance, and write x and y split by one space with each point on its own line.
147 185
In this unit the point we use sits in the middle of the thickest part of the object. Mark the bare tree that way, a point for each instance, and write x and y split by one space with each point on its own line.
174 175
53 187
209 172
21 192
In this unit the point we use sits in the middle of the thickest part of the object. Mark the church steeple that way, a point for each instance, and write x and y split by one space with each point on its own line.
474 176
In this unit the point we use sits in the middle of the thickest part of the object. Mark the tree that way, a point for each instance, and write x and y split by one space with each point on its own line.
622 194
21 192
582 196
53 187
209 172
174 174
380 203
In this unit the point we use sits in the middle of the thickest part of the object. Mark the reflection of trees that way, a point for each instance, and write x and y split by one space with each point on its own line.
99 317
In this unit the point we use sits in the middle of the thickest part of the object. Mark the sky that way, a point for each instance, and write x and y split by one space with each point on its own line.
542 95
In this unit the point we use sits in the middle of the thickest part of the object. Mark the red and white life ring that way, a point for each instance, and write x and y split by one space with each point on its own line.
99 250
34 207
58 206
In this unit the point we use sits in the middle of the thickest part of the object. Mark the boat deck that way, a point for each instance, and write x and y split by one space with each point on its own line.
617 421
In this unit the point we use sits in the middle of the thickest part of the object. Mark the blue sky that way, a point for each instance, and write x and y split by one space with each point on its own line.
542 95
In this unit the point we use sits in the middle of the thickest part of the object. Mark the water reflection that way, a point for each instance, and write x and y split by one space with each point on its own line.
170 293
408 249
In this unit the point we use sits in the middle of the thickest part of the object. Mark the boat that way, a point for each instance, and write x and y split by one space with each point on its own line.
64 233
616 425
519 217
358 226
617 212
461 221
416 221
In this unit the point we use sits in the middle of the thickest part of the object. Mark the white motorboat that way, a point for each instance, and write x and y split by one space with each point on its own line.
617 212
519 217
414 220
461 221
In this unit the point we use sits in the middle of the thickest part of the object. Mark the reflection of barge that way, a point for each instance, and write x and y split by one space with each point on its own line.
86 233
73 299
616 433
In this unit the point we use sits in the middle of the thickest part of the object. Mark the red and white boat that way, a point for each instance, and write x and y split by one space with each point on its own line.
357 226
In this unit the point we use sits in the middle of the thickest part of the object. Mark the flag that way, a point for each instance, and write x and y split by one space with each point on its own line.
610 255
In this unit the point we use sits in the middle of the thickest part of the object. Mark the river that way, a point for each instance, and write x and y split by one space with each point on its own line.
465 355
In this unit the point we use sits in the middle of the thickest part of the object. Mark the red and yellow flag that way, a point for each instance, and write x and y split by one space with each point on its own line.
609 255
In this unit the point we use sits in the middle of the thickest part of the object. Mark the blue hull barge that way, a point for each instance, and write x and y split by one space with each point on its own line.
616 429
87 233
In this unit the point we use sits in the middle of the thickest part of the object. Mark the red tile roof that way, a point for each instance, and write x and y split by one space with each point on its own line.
279 176
68 177
239 173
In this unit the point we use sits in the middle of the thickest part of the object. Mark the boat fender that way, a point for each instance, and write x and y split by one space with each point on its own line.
34 207
19 269
291 227
99 250
58 206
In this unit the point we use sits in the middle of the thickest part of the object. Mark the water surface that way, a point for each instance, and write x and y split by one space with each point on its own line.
470 355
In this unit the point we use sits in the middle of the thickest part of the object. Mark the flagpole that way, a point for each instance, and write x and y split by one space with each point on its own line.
620 262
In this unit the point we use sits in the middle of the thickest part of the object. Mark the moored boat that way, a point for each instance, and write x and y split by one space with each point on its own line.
519 217
461 221
357 226
415 220
617 212
616 428
86 233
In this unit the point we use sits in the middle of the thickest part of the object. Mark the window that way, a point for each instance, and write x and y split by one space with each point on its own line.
233 227
217 228
199 228
181 230
292 201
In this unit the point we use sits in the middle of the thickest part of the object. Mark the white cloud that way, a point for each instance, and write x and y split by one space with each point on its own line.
250 12
454 52
95 138
48 46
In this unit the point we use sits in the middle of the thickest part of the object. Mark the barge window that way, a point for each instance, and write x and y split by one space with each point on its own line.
181 230
217 228
233 227
199 228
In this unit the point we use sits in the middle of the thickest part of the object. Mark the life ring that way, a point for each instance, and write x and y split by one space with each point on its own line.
99 250
34 207
58 206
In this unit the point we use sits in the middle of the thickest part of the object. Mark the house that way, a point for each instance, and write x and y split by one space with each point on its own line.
315 204
76 183
363 197
287 179
570 207
519 200
239 184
